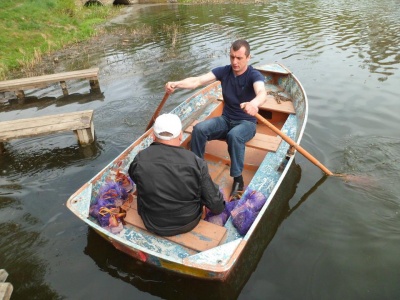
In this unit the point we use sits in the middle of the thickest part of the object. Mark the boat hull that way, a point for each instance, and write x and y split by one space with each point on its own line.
267 174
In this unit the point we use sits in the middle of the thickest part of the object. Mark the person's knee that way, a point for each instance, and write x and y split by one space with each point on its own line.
198 129
234 138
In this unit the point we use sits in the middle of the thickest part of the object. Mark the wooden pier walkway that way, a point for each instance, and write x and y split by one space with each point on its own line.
20 85
81 123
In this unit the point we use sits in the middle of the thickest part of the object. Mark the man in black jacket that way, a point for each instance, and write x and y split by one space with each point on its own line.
173 184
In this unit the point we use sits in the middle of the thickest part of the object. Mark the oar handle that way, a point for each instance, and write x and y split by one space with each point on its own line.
157 112
294 144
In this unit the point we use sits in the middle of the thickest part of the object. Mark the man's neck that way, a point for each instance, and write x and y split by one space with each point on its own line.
241 72
174 142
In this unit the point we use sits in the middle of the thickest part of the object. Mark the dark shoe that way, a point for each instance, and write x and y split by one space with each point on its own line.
237 189
239 179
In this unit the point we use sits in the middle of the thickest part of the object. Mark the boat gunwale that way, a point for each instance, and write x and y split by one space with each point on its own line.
290 161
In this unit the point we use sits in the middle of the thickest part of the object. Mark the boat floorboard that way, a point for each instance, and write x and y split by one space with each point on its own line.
217 157
203 237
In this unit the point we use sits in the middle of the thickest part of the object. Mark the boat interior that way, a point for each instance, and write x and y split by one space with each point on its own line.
208 235
264 141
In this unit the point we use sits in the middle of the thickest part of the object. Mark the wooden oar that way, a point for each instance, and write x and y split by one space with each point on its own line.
157 112
362 180
296 146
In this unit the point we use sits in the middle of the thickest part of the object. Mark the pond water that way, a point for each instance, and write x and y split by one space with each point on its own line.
333 239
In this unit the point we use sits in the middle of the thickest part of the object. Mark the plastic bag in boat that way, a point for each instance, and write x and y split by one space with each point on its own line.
246 210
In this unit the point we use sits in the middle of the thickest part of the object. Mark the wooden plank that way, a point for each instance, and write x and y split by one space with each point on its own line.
203 237
40 81
272 105
265 142
45 125
189 129
86 135
3 275
5 291
272 68
5 287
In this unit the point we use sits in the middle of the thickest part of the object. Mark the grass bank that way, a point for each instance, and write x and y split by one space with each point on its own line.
30 29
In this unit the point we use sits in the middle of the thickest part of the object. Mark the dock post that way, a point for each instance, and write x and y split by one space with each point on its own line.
94 84
5 287
85 136
64 88
20 95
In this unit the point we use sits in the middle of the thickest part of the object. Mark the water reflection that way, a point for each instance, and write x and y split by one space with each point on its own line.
306 195
313 29
18 249
169 285
153 280
6 201
42 102
346 54
28 158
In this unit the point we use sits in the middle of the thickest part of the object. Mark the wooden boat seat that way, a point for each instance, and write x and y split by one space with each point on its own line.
273 105
19 85
203 237
259 141
81 122
283 106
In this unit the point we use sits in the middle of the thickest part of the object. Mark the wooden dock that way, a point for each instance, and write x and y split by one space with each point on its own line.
6 288
81 123
18 86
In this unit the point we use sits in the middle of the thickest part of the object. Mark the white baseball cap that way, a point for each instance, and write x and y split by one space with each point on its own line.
167 127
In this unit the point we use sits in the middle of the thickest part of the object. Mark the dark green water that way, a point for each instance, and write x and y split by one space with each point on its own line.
327 239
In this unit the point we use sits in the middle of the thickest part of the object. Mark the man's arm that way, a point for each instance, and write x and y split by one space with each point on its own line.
251 107
190 82
211 197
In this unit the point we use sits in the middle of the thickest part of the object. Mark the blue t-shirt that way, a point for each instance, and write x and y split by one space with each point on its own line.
236 90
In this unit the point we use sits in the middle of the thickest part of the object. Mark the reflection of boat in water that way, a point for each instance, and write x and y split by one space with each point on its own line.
169 285
215 252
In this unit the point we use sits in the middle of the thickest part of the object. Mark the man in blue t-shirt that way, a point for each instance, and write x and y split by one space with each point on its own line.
243 91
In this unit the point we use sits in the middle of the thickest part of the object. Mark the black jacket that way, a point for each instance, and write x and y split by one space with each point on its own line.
172 186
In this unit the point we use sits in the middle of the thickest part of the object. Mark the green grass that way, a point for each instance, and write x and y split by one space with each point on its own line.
32 28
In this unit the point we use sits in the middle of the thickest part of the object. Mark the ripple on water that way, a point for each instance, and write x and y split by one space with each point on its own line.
345 53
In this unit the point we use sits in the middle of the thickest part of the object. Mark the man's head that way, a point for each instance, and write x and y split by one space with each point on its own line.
236 45
167 127
239 56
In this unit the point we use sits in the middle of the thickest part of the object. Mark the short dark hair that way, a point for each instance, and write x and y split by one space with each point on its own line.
236 45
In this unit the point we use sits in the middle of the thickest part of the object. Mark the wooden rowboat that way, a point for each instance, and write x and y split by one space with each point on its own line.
209 251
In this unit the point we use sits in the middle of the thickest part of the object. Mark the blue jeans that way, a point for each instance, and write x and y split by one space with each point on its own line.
235 132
